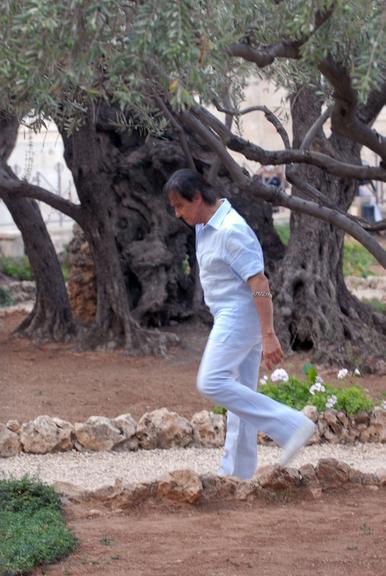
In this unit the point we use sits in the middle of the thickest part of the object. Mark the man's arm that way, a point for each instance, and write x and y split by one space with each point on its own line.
272 352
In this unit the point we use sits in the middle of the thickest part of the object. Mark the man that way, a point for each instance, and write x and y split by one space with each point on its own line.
237 293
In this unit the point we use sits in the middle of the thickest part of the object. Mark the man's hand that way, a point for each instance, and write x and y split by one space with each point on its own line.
272 351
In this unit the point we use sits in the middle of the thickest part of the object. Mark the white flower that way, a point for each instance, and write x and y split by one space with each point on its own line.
331 401
317 387
264 379
279 374
342 373
384 404
319 380
356 372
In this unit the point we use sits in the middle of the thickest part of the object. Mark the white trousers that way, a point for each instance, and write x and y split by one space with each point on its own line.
228 376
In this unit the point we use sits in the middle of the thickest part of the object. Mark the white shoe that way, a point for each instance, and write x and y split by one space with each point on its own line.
298 439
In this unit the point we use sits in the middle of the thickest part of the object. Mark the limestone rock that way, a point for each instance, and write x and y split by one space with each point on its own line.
333 422
276 478
128 426
13 425
308 474
98 433
65 434
9 442
378 424
331 473
222 487
44 435
180 485
311 412
208 429
164 429
362 418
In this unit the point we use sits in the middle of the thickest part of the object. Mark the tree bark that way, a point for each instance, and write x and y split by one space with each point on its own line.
315 312
137 245
51 317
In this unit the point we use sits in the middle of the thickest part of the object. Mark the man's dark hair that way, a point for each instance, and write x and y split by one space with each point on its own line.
187 183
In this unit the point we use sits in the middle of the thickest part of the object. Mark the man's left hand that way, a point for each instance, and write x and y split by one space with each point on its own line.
272 351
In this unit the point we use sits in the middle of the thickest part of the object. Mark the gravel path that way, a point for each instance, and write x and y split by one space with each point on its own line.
93 470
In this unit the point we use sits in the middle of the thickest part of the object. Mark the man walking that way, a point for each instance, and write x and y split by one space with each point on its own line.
237 293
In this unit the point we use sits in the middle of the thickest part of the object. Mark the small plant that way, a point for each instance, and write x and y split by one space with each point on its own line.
283 231
18 268
314 391
357 260
5 297
32 528
378 305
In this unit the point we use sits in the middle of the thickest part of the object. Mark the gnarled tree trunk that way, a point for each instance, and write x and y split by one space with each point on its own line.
315 311
137 245
51 317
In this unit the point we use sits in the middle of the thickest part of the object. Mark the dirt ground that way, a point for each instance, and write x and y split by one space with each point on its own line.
59 381
341 534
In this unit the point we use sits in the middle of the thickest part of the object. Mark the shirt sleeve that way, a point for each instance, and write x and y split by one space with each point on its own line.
243 252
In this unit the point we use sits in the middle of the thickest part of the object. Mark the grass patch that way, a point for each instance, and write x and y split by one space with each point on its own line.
18 268
5 297
32 528
377 305
357 260
283 231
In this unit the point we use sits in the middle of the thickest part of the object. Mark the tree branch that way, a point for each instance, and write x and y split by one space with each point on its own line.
253 152
264 56
176 125
314 129
12 187
270 116
344 116
279 197
228 123
194 124
329 215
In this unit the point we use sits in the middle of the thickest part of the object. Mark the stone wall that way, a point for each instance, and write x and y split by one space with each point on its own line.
164 429
81 284
270 483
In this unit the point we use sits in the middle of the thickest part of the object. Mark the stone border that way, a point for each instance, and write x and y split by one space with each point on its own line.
188 487
164 429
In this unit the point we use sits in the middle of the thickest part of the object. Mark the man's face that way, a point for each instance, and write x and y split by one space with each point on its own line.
189 211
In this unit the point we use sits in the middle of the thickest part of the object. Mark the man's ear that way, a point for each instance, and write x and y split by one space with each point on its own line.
197 199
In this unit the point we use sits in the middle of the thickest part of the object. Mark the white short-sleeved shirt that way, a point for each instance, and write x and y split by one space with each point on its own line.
228 253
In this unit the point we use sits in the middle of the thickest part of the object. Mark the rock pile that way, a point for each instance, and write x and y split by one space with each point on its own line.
272 482
81 284
165 429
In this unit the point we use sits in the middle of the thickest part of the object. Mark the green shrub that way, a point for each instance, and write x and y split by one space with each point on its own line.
32 528
357 260
283 231
313 391
378 305
297 394
5 297
18 268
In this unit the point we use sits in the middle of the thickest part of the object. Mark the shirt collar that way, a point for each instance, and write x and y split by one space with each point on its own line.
218 217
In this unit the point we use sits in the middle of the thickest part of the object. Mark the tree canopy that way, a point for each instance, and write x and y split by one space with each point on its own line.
165 60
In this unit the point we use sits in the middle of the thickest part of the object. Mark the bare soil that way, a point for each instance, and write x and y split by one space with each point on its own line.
341 534
57 380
